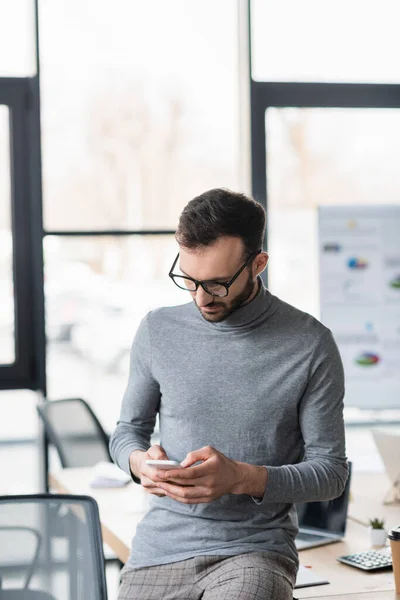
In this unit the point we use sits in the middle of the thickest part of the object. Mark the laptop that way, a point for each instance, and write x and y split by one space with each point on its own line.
388 444
323 522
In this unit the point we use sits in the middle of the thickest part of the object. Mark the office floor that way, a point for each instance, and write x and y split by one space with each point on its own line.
19 468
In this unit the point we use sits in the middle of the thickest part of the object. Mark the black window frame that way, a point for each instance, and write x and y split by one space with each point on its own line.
267 94
26 372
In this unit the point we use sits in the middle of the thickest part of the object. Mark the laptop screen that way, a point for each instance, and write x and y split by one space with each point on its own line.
329 515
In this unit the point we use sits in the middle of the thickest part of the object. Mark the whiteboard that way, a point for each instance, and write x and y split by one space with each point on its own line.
359 274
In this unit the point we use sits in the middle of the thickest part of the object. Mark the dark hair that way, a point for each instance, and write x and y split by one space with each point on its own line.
221 213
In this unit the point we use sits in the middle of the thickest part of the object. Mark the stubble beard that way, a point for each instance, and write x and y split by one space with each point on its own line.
226 310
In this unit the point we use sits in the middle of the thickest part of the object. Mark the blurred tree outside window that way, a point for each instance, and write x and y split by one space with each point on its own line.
139 115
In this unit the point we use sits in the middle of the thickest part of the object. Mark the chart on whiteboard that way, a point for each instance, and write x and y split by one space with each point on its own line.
359 268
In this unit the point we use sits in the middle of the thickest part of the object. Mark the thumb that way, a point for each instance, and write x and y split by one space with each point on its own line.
195 456
157 453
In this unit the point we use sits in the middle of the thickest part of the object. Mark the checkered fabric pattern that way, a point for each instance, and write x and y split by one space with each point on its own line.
252 576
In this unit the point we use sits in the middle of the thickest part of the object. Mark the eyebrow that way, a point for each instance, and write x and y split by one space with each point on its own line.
219 279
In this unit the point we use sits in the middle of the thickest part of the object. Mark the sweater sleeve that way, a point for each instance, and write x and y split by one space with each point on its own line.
323 472
140 402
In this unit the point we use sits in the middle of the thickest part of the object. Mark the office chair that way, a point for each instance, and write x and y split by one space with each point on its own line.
75 431
80 440
51 548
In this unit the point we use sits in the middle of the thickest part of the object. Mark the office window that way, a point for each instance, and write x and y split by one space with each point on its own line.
18 443
137 117
97 291
7 325
324 156
17 49
349 41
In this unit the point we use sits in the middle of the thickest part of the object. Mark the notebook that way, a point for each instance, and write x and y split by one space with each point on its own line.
107 474
323 522
307 577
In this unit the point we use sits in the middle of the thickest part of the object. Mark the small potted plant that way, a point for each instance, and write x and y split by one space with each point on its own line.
377 532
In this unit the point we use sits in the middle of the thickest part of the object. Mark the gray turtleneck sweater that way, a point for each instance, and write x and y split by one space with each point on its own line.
264 386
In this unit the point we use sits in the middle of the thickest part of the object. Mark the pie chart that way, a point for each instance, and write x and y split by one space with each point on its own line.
367 359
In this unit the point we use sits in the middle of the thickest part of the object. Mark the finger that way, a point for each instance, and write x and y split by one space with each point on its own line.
184 491
156 475
199 500
187 474
150 473
148 483
179 483
204 481
151 488
196 455
157 452
157 493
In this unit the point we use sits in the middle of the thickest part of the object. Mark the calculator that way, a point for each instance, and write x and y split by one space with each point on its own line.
370 560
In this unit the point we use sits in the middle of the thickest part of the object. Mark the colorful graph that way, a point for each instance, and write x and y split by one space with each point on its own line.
357 263
367 359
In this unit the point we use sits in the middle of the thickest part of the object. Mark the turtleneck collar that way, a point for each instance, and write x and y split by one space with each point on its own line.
249 314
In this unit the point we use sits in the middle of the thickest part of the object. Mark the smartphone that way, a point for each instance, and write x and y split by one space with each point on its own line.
166 465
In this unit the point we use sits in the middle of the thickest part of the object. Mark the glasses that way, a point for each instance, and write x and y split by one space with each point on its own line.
214 288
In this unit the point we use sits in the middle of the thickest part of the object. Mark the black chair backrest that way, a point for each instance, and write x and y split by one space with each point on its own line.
75 431
51 548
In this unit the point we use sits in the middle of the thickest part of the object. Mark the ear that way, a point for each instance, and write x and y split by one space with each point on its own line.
260 263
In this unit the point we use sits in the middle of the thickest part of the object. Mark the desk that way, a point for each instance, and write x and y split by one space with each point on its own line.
121 509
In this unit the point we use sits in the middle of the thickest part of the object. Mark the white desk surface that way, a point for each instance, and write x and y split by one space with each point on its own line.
122 508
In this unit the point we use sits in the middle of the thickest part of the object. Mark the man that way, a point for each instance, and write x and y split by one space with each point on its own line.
249 392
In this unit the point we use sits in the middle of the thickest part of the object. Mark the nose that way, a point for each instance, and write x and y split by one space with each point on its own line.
203 298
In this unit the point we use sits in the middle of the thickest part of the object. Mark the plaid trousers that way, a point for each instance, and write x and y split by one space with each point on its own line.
251 576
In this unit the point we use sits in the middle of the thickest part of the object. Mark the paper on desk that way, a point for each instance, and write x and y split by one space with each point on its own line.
308 577
107 474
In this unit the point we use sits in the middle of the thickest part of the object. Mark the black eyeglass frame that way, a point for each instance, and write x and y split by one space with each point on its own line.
203 283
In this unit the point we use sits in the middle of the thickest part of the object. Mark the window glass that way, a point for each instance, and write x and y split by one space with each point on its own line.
330 41
7 341
139 117
17 38
18 443
97 291
324 156
341 158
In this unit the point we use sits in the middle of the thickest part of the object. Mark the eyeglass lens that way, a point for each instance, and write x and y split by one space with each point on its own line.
212 287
